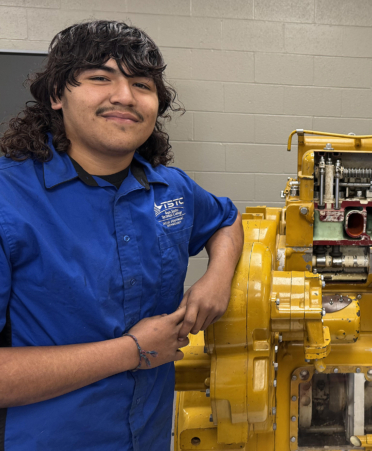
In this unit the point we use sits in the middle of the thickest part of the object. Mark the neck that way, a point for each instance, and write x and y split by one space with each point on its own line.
100 164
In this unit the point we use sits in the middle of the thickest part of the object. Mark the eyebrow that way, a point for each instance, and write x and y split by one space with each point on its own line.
103 67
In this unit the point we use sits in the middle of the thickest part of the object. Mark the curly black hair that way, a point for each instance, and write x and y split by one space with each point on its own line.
82 46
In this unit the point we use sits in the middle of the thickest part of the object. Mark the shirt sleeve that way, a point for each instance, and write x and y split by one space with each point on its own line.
211 213
5 278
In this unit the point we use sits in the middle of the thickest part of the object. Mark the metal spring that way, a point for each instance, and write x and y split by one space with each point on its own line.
357 172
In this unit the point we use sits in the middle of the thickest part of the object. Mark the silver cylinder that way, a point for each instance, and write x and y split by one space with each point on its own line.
337 184
321 182
329 179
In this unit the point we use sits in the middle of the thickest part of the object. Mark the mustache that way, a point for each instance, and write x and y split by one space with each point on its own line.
133 111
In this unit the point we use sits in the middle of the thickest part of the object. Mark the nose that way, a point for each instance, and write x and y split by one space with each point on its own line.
122 93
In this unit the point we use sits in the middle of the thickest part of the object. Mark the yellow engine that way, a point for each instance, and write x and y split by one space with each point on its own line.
289 365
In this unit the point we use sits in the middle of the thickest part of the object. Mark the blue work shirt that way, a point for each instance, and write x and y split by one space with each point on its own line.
82 263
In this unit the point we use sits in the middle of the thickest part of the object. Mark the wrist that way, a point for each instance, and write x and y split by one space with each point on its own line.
131 357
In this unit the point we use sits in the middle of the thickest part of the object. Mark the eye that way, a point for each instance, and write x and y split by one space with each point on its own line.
99 78
141 85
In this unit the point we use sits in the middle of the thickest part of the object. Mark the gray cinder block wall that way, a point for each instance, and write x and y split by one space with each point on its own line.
248 73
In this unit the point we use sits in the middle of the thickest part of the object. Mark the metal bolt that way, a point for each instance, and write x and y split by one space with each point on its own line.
304 374
289 178
369 372
331 302
276 349
323 311
293 418
294 398
274 410
294 377
323 284
335 370
322 277
315 271
274 383
358 370
293 439
274 427
276 364
280 338
208 393
277 302
304 210
307 360
211 418
359 296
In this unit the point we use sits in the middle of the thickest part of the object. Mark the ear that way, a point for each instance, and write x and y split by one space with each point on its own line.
56 104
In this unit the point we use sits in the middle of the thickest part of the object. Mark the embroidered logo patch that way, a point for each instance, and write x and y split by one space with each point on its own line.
170 213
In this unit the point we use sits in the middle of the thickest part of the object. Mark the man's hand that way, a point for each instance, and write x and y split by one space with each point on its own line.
160 334
207 300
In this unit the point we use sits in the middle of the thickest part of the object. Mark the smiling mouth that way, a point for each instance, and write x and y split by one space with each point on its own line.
121 120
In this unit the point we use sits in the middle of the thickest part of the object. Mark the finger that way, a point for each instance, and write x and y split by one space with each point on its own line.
202 317
188 321
210 320
178 315
179 355
182 343
185 299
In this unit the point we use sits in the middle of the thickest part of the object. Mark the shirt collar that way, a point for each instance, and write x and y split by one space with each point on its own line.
60 169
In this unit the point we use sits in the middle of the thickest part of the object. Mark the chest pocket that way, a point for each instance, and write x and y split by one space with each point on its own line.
174 249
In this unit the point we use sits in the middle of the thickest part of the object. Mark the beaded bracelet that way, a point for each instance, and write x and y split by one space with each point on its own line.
142 353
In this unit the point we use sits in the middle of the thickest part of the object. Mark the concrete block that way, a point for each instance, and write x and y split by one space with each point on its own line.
180 128
268 187
344 12
20 44
44 24
109 5
284 69
189 32
222 65
42 3
194 156
83 5
200 95
148 23
312 101
190 174
252 36
223 127
343 72
177 7
356 41
234 186
284 10
356 103
253 98
276 129
11 2
260 158
197 267
178 61
232 9
314 39
13 23
343 125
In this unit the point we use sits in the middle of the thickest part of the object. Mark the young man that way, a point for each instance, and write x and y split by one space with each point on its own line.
95 235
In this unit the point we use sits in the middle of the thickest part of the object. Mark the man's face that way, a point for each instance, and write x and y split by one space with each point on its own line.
108 112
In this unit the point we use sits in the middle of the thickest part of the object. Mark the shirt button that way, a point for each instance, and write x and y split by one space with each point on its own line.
133 282
126 238
138 401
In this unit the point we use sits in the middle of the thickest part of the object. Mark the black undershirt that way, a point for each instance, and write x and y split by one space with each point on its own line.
115 179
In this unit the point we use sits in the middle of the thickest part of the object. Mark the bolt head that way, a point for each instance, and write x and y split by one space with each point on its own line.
323 311
294 398
293 439
274 427
359 296
304 210
211 418
304 374
274 410
274 383
277 302
294 377
276 348
335 370
315 271
307 360
323 284
276 364
208 393
358 370
293 418
280 338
